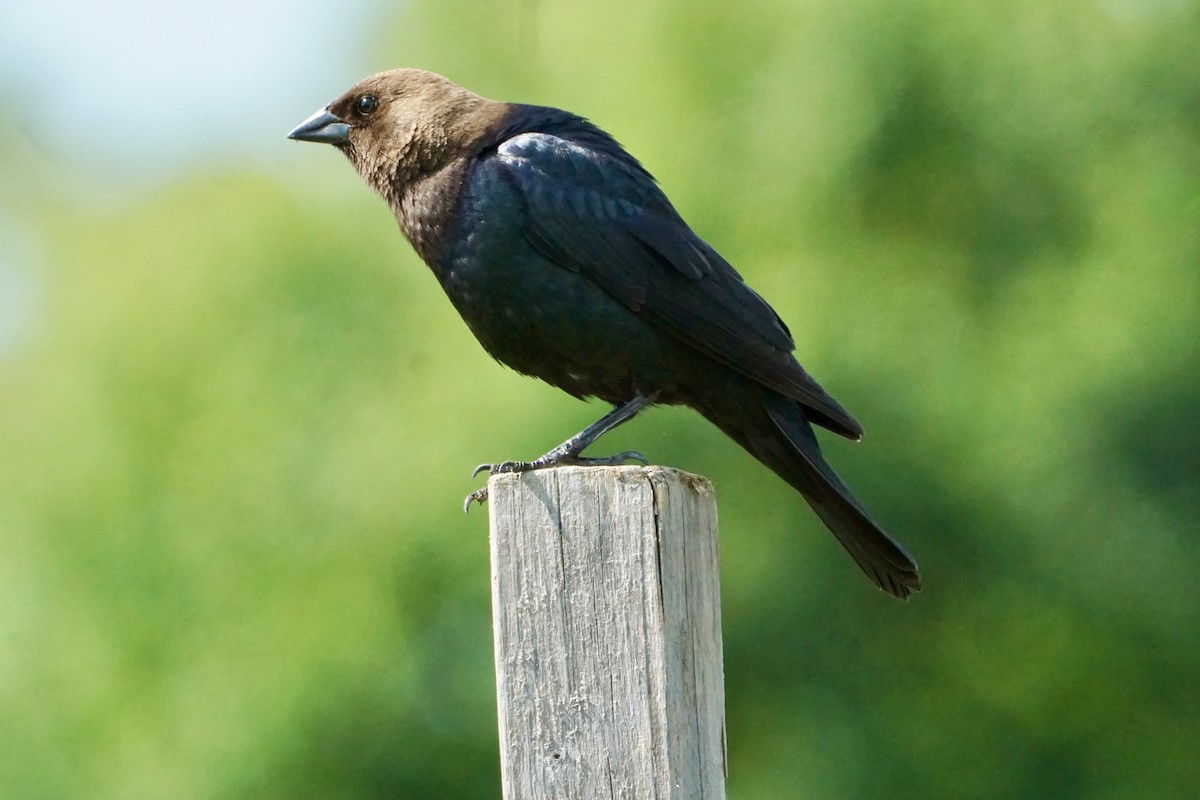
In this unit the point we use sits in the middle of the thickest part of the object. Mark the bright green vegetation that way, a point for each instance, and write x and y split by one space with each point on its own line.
233 562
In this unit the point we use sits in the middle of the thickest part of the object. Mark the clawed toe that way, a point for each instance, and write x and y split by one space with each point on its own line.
628 455
610 461
479 496
506 466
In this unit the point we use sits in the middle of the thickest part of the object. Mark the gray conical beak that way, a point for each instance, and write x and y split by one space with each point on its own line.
322 126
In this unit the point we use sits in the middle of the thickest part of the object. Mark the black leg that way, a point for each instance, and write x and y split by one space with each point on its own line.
568 453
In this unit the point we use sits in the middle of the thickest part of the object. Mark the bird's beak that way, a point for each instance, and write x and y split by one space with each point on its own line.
322 126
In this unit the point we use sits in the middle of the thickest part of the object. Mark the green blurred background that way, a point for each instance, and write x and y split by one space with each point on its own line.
237 415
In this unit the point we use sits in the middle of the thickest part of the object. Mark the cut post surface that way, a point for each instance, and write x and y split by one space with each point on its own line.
606 607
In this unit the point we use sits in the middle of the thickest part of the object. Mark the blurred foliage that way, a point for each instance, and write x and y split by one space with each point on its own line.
234 446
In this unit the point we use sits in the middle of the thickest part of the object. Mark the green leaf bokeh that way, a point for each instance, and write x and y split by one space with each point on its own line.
234 447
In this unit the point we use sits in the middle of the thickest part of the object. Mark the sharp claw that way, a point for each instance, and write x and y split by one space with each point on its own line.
478 496
482 468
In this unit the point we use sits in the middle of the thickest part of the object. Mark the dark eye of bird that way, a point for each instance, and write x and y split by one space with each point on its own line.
366 105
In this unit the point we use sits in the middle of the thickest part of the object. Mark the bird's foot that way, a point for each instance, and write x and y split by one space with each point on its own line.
551 459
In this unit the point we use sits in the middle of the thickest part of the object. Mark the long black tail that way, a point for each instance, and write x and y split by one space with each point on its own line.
777 434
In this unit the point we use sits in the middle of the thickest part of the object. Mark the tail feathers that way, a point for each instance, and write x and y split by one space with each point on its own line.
796 457
883 560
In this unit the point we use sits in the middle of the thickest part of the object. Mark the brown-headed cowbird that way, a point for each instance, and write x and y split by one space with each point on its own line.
568 263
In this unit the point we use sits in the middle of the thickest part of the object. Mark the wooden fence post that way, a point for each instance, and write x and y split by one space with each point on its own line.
606 606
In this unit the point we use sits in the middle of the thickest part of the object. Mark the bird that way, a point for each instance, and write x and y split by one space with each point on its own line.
568 263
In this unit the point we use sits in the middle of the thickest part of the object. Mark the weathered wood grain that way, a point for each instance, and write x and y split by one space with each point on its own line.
606 605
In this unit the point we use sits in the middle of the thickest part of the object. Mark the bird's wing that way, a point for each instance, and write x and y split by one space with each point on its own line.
598 213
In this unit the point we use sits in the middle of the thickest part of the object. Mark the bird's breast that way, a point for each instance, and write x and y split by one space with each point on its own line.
545 320
426 210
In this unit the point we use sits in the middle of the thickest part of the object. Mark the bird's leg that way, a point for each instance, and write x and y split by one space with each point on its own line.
568 453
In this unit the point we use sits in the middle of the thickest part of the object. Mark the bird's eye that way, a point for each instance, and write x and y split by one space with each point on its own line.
366 105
